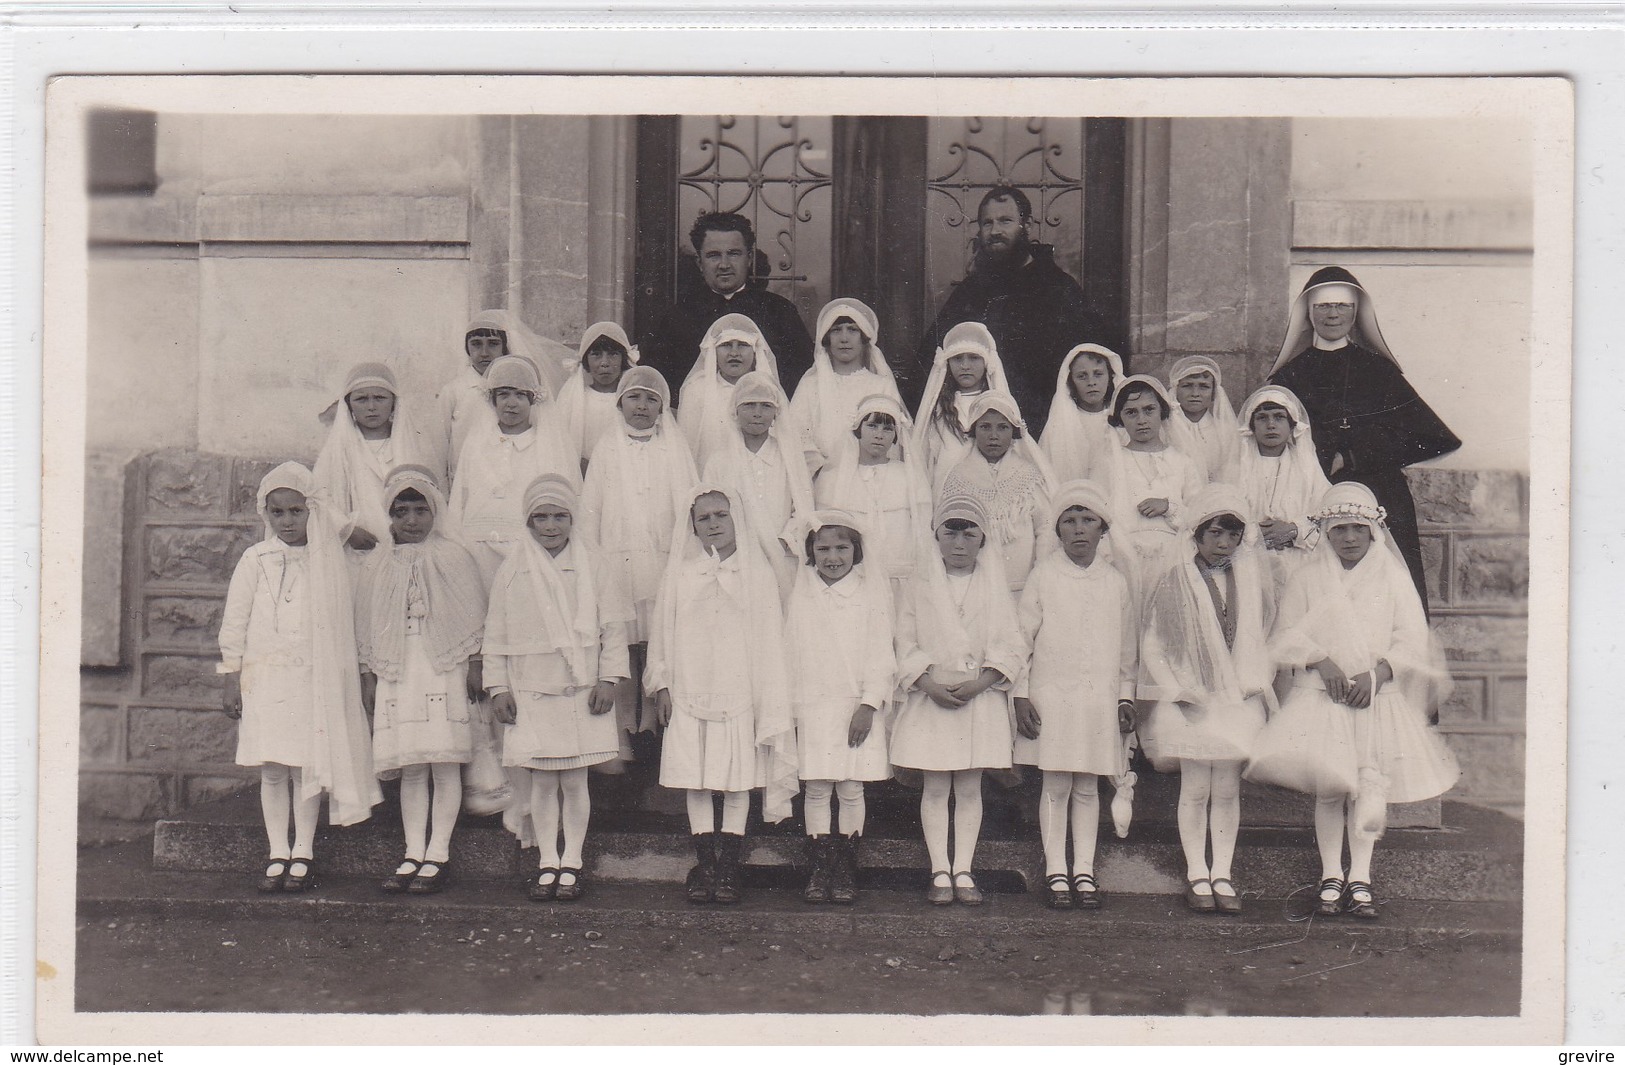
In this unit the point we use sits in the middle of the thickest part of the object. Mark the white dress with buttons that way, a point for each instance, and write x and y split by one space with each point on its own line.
424 716
266 627
493 472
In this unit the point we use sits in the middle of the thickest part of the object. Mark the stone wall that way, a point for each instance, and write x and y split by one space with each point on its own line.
153 740
1475 542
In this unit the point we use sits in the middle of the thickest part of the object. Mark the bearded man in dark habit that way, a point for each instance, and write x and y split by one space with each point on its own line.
1034 309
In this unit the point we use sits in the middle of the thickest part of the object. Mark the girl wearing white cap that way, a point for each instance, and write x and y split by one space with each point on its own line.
1206 672
966 366
420 613
586 400
500 458
1366 671
716 677
464 401
370 436
1277 470
1010 478
876 476
1205 428
555 653
1075 704
959 649
848 366
842 673
1078 436
767 478
637 487
287 652
733 347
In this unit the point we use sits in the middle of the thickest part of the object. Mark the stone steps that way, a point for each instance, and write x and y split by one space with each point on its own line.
110 891
1477 856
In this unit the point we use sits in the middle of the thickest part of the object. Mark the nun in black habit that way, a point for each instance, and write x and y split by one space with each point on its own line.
1369 423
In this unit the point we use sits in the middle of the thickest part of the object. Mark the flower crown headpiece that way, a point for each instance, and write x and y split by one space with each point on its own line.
1329 515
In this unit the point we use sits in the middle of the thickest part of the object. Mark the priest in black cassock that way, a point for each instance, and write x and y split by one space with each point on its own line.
1367 420
725 245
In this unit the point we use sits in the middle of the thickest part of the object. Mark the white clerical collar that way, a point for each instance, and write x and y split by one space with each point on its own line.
1322 344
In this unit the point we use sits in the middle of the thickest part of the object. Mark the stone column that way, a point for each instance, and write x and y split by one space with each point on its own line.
551 220
549 245
611 166
490 215
879 236
1210 226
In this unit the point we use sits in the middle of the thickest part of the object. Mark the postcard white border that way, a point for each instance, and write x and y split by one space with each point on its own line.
1545 100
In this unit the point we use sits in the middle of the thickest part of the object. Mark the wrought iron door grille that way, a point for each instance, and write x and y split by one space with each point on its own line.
1043 157
776 172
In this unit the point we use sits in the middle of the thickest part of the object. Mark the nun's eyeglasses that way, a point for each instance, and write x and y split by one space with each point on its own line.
1334 306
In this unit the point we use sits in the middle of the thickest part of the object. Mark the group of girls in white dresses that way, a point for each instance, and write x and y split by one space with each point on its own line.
810 594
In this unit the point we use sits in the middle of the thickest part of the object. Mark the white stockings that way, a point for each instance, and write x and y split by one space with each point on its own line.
429 840
1331 816
276 780
816 806
702 812
1209 804
1075 796
965 785
559 800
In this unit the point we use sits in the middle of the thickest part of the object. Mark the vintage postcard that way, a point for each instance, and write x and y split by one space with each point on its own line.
973 560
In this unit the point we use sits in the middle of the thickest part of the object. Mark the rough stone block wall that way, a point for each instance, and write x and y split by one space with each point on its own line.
1475 541
152 737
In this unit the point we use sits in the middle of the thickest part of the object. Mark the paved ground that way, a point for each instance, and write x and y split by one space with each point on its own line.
525 967
188 942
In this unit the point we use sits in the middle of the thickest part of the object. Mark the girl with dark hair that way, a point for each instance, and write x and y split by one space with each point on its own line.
1205 675
965 367
842 671
420 616
1078 437
1148 480
1366 672
959 648
876 476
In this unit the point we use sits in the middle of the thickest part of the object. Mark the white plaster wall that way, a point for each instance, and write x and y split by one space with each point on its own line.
1410 159
142 364
325 154
282 333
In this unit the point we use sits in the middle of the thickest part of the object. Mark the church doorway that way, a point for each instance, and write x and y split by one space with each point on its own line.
880 208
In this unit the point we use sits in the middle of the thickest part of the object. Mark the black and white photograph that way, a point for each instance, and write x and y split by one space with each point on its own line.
556 549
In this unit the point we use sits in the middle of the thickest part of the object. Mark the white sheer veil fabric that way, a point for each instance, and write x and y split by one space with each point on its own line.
937 444
1076 440
348 469
340 761
704 408
1211 442
1188 666
572 394
758 593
